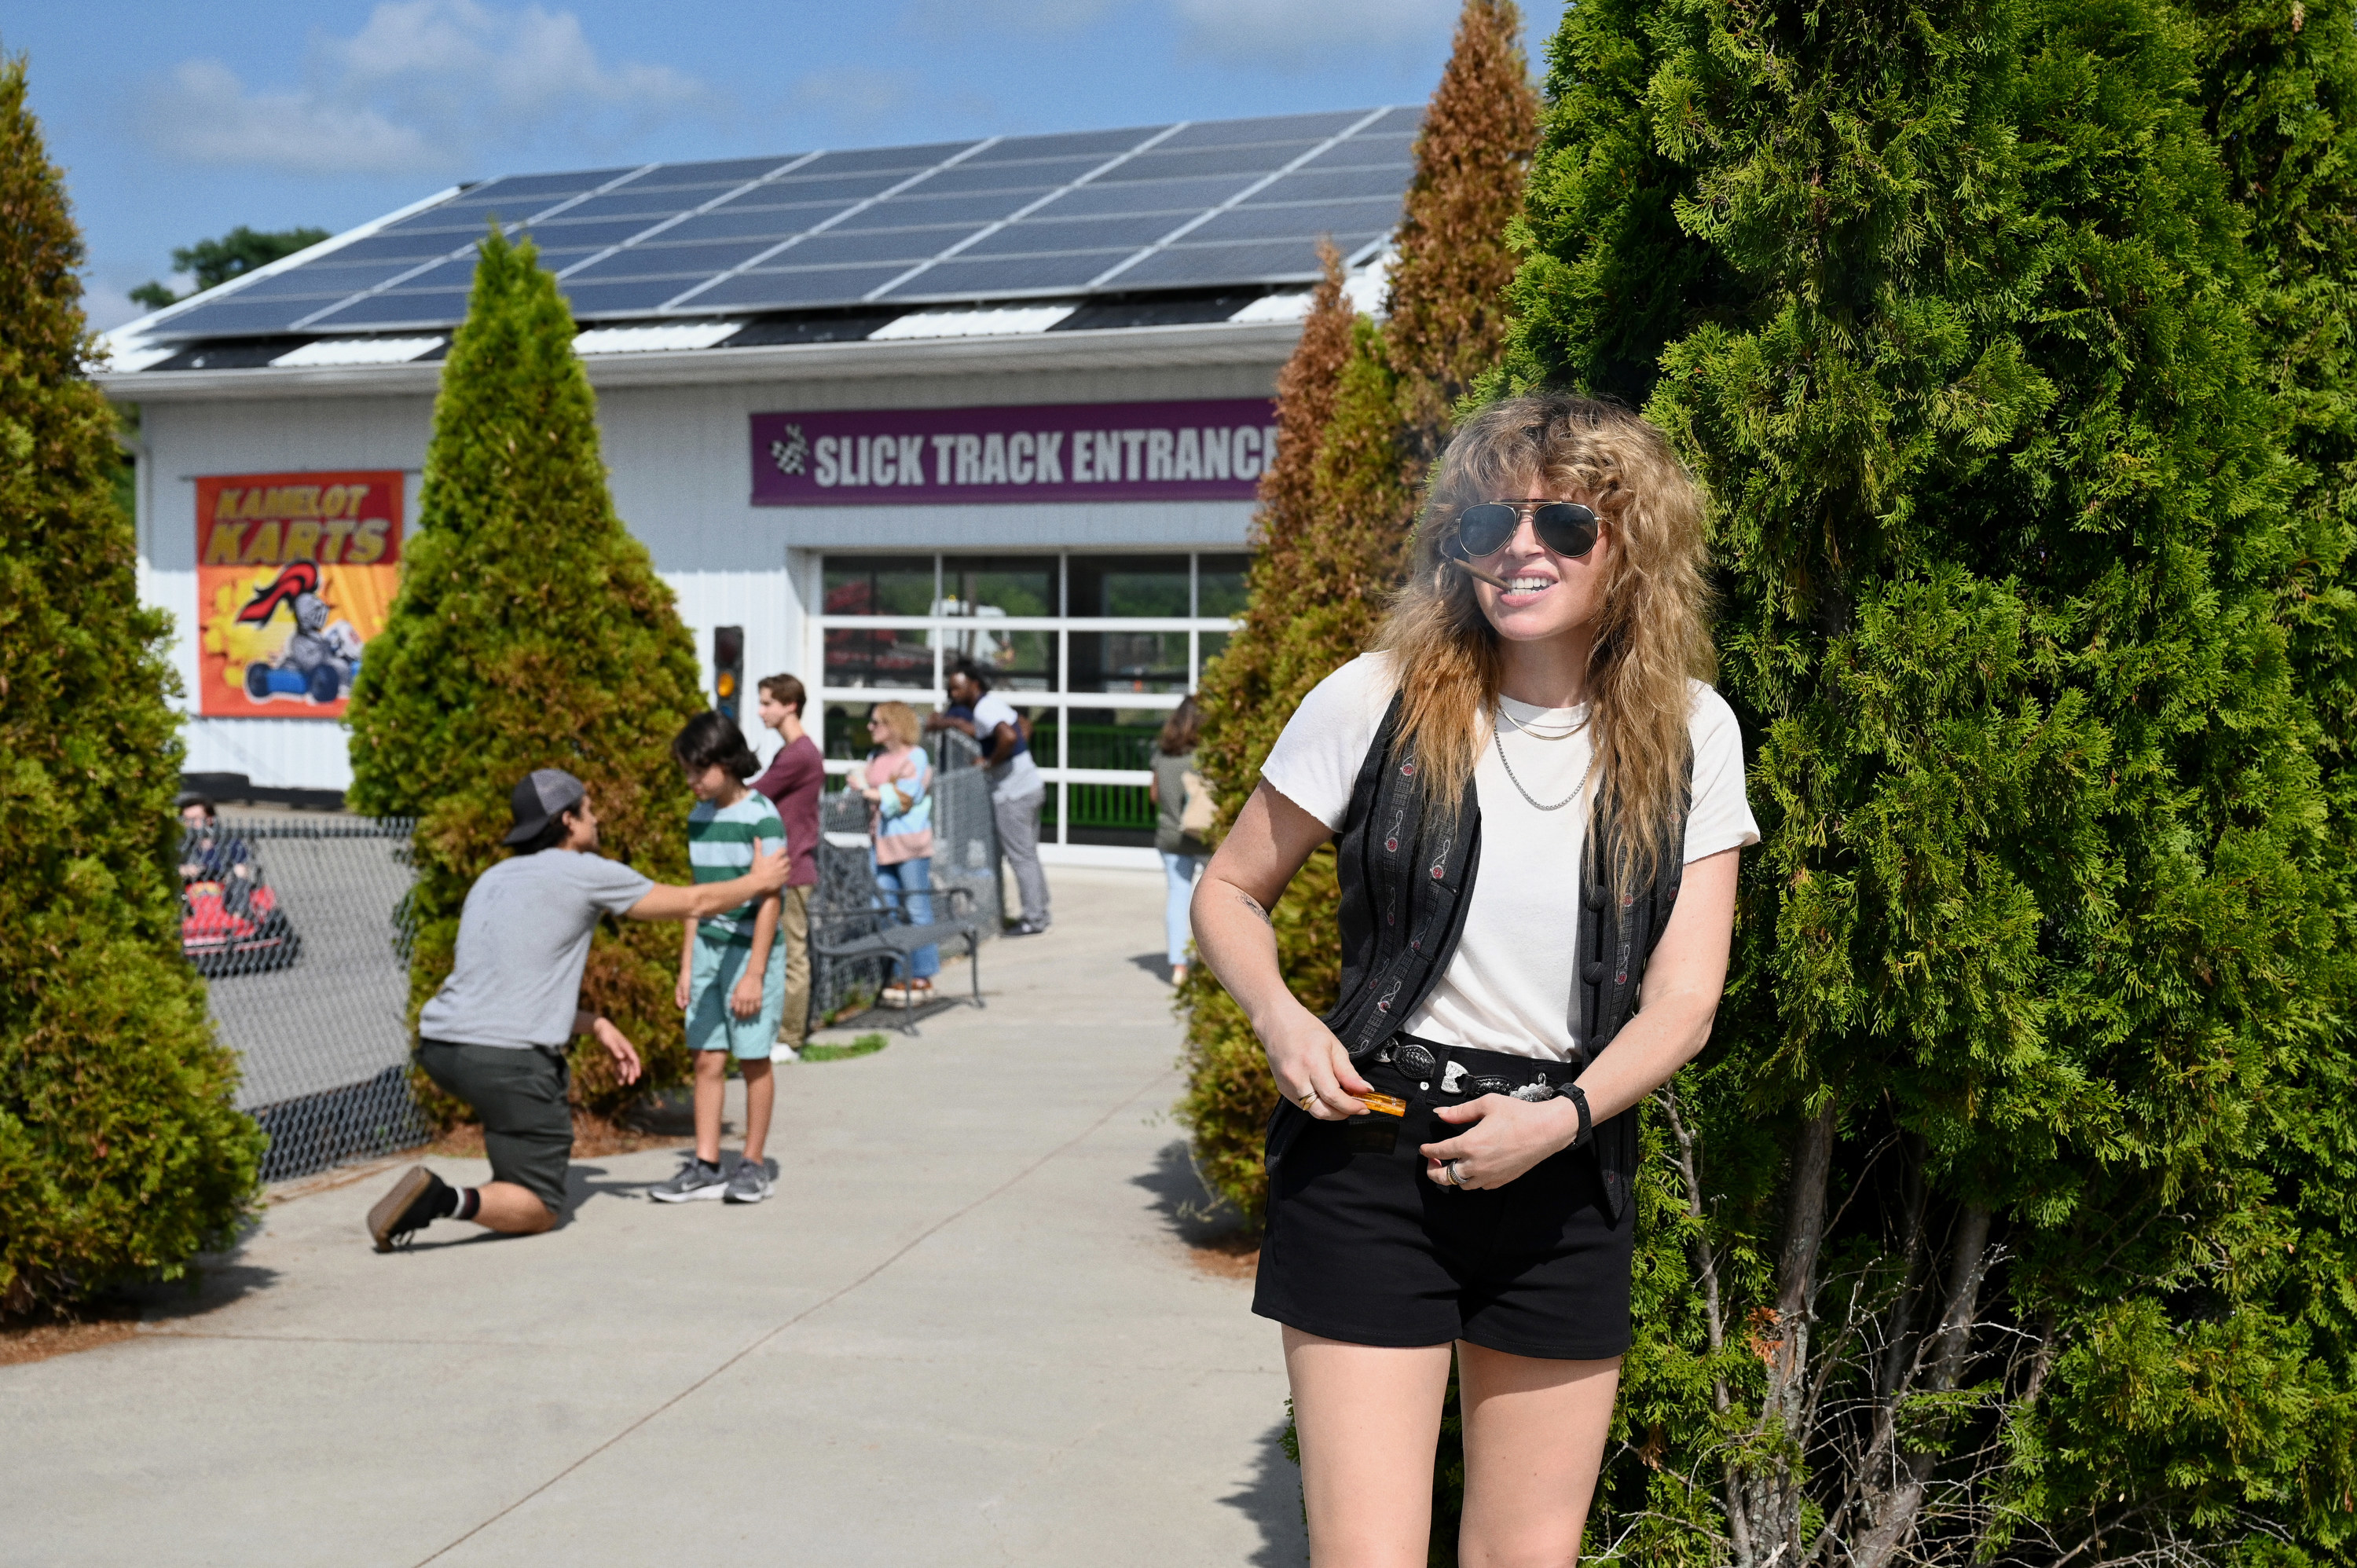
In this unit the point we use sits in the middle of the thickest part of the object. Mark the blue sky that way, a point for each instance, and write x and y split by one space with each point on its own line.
179 122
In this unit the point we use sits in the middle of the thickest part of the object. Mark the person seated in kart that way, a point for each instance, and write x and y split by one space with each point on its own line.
206 855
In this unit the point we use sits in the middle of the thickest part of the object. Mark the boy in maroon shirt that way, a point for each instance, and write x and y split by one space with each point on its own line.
792 782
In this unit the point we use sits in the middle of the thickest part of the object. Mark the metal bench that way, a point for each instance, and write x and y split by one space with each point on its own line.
897 944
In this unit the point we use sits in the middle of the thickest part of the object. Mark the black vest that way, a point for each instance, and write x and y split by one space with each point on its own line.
1406 886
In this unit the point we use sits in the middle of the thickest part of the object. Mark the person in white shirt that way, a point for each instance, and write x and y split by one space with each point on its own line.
1016 791
1539 806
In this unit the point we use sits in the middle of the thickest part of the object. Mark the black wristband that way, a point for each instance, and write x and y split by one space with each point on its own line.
1579 1097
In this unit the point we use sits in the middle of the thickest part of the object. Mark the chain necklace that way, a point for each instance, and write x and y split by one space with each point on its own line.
1536 733
1498 739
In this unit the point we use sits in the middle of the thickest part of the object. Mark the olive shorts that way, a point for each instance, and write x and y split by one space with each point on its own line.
519 1094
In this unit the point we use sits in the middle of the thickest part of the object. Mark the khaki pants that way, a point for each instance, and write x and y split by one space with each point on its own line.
793 933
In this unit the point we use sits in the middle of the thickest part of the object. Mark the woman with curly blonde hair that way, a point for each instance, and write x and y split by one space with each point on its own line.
1537 805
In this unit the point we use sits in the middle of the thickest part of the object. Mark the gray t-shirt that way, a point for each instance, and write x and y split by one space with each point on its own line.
523 938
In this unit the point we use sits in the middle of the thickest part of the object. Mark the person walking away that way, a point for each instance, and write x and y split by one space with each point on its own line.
495 1035
1182 805
1016 791
792 782
1530 774
732 970
898 783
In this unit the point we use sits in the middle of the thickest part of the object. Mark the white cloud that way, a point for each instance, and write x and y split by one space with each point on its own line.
1290 33
854 94
425 86
207 116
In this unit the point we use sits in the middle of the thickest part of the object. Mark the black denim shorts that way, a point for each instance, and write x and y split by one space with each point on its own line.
1362 1247
519 1097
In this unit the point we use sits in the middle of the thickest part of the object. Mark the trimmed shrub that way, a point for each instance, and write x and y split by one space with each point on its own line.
1363 414
1980 1233
120 1151
530 631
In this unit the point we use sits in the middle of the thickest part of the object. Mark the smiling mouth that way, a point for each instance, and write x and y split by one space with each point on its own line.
1529 584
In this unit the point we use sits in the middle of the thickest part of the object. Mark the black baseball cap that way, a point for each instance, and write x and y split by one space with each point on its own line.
544 794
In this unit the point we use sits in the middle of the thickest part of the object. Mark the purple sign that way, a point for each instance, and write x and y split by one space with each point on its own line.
1049 452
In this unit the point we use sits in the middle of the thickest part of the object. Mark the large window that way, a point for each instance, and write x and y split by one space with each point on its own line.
1094 651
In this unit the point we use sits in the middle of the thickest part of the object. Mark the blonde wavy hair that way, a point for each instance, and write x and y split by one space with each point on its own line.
1652 637
902 720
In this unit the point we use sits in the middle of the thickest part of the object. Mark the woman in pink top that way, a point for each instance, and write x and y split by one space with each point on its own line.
898 783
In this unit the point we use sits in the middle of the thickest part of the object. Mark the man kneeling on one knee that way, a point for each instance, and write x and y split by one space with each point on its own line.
495 1035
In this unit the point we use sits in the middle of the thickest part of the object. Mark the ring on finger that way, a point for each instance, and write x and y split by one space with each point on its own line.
1457 1173
1309 1101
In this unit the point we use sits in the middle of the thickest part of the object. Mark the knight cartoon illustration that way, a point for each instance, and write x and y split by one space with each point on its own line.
321 657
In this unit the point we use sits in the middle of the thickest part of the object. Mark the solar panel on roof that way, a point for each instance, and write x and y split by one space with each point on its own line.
1095 144
959 278
690 261
1044 236
724 172
881 160
554 187
921 209
1273 261
400 309
795 290
1366 151
1108 198
1297 219
635 296
1313 184
595 234
821 231
1032 177
332 282
1164 164
1269 128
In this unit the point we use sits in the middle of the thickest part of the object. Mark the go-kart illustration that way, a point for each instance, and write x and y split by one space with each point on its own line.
320 659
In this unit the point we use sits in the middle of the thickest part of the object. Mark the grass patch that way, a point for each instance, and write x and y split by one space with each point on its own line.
864 1045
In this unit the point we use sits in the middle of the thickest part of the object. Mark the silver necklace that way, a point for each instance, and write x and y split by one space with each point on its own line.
1536 733
1498 739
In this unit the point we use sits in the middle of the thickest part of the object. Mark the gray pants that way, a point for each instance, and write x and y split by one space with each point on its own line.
1018 838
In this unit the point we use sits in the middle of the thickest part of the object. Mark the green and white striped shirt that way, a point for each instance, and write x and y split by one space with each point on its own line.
720 849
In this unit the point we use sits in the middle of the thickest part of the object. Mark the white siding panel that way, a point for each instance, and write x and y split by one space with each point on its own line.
279 753
767 605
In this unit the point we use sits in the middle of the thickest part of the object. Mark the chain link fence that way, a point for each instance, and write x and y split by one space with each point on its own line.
301 926
965 854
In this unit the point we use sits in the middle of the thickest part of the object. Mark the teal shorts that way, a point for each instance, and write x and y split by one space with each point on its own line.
712 975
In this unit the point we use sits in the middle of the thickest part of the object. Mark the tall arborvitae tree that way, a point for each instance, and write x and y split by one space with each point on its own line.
1363 414
120 1151
1968 1240
530 631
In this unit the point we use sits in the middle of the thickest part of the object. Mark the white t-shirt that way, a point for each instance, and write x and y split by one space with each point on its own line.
1508 987
1019 776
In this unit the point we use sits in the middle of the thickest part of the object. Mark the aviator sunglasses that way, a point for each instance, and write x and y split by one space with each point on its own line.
1564 527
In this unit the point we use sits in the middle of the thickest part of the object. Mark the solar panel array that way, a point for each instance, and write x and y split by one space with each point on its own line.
1197 205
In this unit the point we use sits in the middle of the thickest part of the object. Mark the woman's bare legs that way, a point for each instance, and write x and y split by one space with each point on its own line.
1370 1422
1535 1433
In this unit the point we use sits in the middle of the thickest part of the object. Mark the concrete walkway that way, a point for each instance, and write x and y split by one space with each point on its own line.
968 1329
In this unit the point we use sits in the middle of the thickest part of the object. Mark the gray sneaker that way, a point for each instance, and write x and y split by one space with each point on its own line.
696 1179
749 1183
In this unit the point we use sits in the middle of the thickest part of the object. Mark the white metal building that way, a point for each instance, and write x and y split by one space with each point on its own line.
867 409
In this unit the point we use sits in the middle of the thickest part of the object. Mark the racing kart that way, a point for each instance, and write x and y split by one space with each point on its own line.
228 931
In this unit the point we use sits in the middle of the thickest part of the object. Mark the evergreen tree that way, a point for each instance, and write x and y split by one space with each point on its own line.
1363 414
1967 1240
531 631
120 1151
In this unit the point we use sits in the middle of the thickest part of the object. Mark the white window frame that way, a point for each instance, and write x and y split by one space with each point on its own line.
1061 701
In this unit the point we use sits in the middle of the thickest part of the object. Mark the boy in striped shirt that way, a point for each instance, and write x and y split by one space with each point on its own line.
732 968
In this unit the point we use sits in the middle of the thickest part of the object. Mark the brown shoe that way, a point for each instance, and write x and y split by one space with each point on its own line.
409 1208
